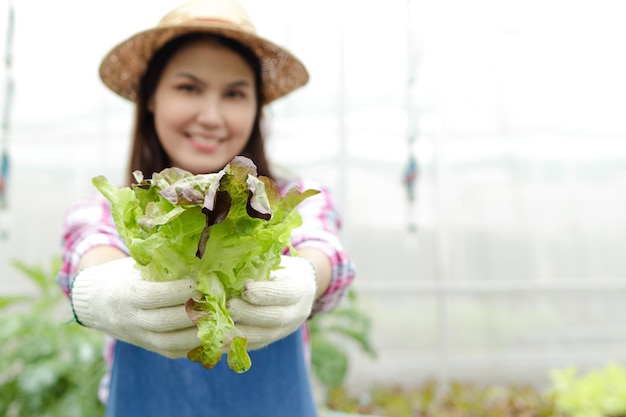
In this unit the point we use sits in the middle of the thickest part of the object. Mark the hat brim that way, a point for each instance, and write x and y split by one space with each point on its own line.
122 68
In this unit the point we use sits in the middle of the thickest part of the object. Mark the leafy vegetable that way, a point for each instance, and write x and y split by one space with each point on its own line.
48 368
222 229
599 393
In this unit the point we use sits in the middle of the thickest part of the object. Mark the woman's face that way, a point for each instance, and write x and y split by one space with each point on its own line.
204 106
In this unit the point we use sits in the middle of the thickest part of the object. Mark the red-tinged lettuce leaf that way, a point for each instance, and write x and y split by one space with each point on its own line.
162 180
272 191
190 190
258 205
241 167
221 229
219 210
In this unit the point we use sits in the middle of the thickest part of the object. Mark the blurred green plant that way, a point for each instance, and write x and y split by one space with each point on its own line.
459 400
329 333
48 368
598 393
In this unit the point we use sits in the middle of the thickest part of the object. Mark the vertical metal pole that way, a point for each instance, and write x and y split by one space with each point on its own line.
412 169
442 268
6 118
341 124
440 233
442 261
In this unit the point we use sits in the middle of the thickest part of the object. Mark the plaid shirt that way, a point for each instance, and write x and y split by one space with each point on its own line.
88 223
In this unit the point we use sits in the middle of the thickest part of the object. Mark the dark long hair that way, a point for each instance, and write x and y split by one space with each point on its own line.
147 154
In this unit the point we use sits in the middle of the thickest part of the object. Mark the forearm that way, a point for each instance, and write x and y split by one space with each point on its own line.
323 268
99 255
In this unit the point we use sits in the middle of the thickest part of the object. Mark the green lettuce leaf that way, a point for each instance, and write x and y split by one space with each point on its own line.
221 229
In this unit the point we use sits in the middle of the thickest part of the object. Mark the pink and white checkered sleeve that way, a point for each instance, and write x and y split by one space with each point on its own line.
321 225
87 224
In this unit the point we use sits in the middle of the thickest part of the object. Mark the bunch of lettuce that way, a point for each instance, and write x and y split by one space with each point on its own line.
222 229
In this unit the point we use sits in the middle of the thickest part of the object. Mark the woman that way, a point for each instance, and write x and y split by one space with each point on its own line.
199 80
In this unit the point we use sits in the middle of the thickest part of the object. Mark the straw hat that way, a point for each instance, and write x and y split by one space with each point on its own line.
122 68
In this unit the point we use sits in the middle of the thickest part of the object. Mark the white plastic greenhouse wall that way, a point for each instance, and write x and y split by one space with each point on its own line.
510 261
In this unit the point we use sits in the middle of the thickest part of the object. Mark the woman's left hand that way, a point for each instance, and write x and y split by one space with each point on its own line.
270 310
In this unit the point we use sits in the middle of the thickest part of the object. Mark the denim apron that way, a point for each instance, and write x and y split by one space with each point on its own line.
145 384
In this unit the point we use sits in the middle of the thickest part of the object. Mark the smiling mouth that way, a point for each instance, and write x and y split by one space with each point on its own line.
204 144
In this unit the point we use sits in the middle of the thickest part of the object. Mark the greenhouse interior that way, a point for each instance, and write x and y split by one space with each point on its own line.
477 152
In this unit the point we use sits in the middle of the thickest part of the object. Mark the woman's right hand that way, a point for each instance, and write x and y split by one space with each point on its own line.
114 298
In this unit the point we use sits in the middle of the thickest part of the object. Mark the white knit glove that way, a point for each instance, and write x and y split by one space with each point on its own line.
114 298
273 309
